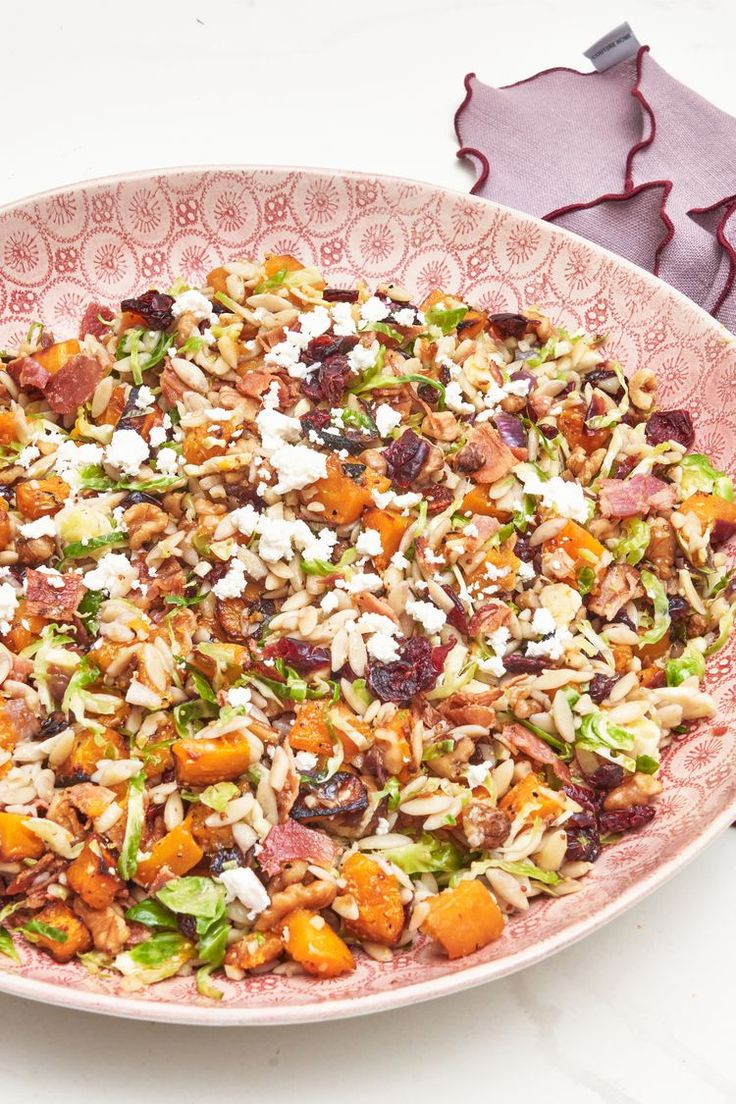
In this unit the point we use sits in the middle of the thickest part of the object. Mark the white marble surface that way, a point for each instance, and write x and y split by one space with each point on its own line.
642 1011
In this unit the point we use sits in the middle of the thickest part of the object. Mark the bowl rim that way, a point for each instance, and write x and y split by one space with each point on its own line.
315 1011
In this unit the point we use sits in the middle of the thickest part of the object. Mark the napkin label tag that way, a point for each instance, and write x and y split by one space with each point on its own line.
618 45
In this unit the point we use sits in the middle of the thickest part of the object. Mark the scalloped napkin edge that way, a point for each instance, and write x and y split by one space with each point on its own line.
624 155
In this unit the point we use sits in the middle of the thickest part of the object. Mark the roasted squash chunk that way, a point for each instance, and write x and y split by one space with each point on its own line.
255 950
201 762
59 931
93 875
464 919
17 841
311 942
377 894
178 851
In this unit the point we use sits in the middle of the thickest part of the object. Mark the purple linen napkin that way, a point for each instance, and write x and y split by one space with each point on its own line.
627 157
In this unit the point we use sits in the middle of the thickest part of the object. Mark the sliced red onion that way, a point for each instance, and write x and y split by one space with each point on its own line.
511 430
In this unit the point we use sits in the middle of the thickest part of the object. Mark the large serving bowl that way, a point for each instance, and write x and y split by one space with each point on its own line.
105 240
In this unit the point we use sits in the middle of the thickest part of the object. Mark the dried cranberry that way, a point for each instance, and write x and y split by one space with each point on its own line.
54 724
607 776
154 308
404 458
510 325
428 394
547 430
596 407
518 664
412 673
226 856
187 926
456 617
374 765
670 425
600 375
583 839
721 532
679 608
440 654
327 382
623 619
625 466
303 657
315 420
438 498
626 820
583 796
321 348
339 295
601 686
523 549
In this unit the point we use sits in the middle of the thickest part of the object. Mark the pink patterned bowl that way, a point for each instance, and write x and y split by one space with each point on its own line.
108 239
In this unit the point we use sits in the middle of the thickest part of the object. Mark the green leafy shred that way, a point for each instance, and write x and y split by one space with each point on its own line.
634 543
427 855
161 956
80 549
446 320
691 662
152 914
128 861
698 474
48 931
606 739
658 596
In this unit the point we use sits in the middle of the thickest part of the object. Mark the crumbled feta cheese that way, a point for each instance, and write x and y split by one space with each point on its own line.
27 455
8 606
70 458
271 399
41 527
316 546
194 302
543 623
384 499
553 646
114 573
562 601
361 358
144 398
386 419
361 582
127 451
454 399
492 665
245 519
342 317
399 560
565 498
525 571
498 640
242 884
232 584
382 647
238 697
429 616
405 317
329 602
277 429
167 461
476 773
369 543
157 436
297 467
374 310
305 761
275 542
376 623
315 322
382 826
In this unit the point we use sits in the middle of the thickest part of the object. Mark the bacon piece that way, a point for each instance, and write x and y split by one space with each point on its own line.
91 324
628 497
620 584
520 740
54 596
256 383
73 384
486 527
489 618
497 458
471 709
27 372
290 841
